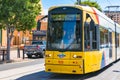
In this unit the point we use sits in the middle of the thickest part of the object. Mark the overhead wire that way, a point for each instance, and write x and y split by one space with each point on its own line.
105 1
109 2
72 1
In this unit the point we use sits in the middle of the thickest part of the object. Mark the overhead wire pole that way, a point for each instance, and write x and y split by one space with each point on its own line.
79 2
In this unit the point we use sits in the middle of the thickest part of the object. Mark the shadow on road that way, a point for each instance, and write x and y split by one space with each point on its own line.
42 75
35 76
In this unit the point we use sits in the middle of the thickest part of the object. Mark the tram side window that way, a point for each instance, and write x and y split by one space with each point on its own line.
104 43
90 38
87 36
94 37
90 34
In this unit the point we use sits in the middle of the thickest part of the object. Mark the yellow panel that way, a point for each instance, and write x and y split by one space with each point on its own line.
49 53
64 62
113 45
79 54
60 61
52 68
92 61
48 61
76 62
64 69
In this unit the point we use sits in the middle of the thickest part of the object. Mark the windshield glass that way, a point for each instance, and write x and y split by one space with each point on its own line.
37 42
64 32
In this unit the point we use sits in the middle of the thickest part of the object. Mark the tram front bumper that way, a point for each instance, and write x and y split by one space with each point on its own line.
64 66
68 69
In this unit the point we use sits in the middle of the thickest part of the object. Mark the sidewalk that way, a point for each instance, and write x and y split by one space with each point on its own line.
14 57
16 73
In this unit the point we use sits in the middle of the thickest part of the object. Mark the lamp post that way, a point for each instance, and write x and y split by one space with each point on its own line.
79 2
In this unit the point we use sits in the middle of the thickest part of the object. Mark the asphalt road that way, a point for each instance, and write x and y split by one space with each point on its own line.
21 64
34 70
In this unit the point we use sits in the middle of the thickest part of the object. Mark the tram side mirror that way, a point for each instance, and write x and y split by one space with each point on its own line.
39 22
38 25
92 25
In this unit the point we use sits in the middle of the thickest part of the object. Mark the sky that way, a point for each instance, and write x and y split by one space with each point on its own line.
46 4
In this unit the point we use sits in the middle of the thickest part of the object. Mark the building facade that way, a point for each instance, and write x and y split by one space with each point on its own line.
20 37
114 15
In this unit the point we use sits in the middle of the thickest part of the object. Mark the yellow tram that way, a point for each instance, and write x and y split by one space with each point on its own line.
80 40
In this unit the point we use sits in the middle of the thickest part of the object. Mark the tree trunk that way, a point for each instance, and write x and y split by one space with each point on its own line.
8 44
10 31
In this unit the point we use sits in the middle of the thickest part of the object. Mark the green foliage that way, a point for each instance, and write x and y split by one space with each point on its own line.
17 14
20 14
92 4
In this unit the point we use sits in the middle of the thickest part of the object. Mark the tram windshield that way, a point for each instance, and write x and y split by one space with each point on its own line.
64 32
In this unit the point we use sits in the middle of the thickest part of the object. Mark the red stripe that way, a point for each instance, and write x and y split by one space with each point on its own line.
95 15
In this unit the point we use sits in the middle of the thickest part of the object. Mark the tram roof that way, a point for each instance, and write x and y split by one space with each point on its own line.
81 7
103 19
107 22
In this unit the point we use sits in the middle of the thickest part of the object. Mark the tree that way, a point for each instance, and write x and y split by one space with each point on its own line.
19 15
92 4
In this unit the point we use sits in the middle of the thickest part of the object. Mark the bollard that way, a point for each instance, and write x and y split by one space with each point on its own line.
18 53
3 55
23 54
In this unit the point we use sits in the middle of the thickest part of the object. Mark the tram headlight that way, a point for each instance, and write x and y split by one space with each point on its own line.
48 55
74 56
77 56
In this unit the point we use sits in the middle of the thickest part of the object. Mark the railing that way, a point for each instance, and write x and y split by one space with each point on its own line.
3 52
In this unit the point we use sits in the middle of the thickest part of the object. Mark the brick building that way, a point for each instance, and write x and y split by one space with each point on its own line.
114 15
20 36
